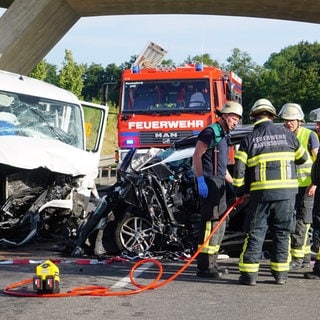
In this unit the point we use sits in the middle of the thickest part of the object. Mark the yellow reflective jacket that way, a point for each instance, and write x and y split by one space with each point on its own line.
304 170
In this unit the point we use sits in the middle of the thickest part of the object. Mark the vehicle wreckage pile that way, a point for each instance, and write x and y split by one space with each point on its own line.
152 207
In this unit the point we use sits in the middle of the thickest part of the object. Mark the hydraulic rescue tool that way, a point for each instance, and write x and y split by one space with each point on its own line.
47 278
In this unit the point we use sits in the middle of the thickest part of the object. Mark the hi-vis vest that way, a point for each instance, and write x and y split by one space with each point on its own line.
218 134
304 170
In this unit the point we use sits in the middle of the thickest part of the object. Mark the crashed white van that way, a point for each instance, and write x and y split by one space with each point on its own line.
49 156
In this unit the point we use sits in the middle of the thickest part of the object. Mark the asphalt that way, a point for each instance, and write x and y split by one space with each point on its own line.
185 297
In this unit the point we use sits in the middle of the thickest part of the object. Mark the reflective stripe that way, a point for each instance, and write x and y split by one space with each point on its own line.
208 248
304 170
306 248
238 182
300 152
279 266
297 253
273 184
242 156
247 267
274 156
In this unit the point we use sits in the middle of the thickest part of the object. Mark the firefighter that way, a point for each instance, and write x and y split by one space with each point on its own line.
293 117
265 168
315 274
210 161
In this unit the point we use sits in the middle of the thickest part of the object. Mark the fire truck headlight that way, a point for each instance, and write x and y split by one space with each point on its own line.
129 142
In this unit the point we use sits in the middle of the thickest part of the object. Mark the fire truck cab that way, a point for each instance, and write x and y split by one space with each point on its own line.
160 105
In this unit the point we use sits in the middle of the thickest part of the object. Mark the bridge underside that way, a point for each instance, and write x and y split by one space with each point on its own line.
30 29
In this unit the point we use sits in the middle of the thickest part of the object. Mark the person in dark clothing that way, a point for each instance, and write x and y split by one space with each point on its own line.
293 117
210 161
315 176
265 167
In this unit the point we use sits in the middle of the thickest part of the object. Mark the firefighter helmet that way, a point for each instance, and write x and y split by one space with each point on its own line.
232 107
315 115
291 111
262 105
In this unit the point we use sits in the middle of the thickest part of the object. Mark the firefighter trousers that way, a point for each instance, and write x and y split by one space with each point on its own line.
316 230
278 216
211 208
300 241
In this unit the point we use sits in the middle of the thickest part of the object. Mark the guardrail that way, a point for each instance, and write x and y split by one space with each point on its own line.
107 170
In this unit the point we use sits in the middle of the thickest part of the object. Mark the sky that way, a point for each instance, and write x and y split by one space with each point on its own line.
114 39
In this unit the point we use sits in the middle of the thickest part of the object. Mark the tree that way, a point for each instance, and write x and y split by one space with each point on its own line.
71 75
39 71
113 80
204 58
52 74
241 63
94 77
293 75
45 71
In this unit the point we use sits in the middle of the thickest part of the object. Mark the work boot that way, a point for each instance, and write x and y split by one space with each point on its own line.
247 280
311 275
296 264
213 264
221 269
306 261
280 280
209 273
280 277
207 266
315 274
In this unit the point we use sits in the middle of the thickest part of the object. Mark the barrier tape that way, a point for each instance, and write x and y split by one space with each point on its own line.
64 261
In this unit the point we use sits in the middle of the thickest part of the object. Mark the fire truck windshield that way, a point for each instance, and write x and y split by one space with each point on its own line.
166 96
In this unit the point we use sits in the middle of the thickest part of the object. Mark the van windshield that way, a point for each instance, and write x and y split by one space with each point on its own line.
32 116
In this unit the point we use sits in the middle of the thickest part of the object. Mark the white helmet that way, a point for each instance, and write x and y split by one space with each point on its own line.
262 105
231 107
315 115
291 111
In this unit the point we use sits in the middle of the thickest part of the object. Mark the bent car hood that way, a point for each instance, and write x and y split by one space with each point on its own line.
54 155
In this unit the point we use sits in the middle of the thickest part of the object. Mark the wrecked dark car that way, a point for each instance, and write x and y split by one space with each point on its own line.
153 206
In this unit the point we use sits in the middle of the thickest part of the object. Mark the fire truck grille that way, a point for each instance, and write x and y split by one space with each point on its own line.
159 138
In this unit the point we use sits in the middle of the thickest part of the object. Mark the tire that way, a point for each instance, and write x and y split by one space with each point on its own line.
134 234
105 243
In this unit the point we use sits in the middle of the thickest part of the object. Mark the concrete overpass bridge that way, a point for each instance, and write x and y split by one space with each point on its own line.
31 28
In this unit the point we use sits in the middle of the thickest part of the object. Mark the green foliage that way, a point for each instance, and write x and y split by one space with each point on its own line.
39 71
204 58
111 137
93 75
46 72
293 74
71 75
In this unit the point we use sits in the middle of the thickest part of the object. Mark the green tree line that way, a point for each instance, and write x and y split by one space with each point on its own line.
291 75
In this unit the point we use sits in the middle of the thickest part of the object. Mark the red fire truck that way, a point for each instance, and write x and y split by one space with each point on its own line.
161 105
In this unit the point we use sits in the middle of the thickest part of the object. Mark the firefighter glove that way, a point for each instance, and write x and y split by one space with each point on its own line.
202 187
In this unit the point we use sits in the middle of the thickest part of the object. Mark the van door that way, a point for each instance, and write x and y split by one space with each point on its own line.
95 122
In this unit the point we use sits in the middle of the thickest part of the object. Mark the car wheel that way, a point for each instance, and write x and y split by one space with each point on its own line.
135 234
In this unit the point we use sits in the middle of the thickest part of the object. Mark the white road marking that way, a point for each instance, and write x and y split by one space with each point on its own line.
126 280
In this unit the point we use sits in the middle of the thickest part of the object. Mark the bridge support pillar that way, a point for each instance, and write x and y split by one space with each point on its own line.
30 29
